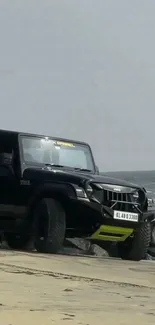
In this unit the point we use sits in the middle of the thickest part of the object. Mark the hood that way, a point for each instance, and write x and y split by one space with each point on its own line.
57 174
113 181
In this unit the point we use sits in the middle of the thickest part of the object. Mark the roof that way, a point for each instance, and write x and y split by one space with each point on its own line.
16 133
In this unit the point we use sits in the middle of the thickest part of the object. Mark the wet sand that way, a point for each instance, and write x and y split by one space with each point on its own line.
45 289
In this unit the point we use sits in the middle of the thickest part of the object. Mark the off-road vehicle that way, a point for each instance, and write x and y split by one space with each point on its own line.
50 188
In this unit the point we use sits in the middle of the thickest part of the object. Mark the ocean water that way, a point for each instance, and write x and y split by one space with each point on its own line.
145 178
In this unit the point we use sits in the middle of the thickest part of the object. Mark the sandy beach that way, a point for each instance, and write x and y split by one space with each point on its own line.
45 289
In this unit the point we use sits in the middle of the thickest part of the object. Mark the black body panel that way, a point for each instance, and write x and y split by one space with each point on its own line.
72 176
89 199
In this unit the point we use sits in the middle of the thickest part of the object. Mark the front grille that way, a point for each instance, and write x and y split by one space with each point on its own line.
119 201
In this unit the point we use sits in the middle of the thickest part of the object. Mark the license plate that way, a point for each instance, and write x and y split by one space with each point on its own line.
127 216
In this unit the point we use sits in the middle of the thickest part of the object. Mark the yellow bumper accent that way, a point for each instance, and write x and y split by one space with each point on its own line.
112 233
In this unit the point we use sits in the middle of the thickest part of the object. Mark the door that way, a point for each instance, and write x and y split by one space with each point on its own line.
8 191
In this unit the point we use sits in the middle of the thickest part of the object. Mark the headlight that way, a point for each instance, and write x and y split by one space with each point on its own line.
139 197
151 202
150 199
135 197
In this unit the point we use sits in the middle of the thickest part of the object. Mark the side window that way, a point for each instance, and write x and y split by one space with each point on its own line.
8 148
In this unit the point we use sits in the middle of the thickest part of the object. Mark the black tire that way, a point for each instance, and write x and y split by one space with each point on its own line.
17 241
152 235
136 248
49 226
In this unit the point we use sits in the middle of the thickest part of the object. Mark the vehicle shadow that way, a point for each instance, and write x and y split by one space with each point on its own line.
71 247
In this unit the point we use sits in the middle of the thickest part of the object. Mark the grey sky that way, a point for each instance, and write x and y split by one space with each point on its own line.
82 69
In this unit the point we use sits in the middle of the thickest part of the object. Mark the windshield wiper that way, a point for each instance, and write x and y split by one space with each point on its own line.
83 169
75 168
53 165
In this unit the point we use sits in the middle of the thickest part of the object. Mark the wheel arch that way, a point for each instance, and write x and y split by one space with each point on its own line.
61 192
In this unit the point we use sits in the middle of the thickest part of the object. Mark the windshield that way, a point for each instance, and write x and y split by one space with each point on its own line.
56 152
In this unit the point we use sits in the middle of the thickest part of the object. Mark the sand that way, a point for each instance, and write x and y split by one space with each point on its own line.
41 289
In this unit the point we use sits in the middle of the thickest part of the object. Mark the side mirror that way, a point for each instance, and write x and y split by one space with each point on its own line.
97 170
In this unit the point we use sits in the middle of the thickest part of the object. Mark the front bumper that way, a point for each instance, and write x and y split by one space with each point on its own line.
108 214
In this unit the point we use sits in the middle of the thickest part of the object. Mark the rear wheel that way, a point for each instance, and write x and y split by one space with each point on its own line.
50 226
136 248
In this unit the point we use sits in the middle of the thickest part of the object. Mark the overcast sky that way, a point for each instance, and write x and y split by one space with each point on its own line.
82 69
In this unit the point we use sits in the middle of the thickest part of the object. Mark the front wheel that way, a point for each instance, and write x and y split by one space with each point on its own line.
49 226
136 247
152 234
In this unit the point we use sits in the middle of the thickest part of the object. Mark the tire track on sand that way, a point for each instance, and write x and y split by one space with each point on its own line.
58 275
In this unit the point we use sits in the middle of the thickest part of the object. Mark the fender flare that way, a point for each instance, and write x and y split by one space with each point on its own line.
50 190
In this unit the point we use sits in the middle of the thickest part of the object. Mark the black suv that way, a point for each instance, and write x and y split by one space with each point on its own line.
50 189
